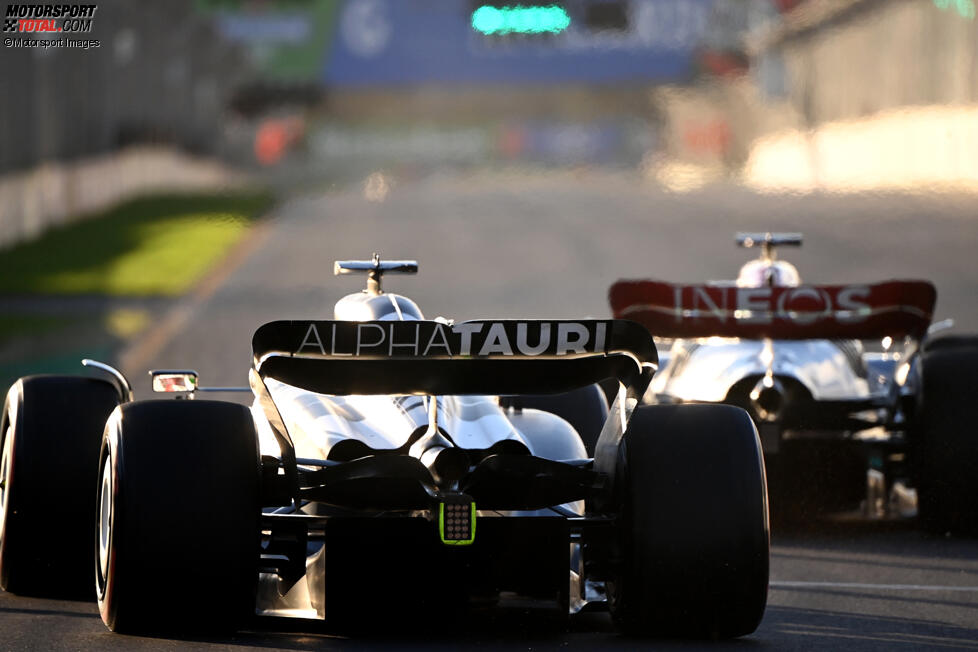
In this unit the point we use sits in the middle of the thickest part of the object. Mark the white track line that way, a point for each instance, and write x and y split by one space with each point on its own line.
880 587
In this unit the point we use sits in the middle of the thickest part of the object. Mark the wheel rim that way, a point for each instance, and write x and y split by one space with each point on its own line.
105 519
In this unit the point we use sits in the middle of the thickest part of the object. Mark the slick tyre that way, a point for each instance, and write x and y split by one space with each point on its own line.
178 519
946 441
50 431
693 527
951 342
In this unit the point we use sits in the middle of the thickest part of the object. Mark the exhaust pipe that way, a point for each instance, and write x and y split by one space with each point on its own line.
767 399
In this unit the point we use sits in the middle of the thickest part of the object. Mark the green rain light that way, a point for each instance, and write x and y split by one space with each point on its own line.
456 523
518 19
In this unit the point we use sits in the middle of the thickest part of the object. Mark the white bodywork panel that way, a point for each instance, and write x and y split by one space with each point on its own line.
705 369
317 422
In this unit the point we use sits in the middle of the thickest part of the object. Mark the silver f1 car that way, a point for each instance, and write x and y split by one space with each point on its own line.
389 463
854 402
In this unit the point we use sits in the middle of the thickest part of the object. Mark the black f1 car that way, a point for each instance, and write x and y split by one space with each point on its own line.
389 461
854 400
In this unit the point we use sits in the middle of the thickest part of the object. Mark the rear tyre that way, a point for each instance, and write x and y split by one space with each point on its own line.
694 536
946 441
178 519
951 342
50 432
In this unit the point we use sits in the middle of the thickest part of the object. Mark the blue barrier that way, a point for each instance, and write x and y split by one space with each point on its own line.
392 42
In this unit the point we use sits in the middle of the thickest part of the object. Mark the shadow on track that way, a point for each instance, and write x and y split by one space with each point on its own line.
811 629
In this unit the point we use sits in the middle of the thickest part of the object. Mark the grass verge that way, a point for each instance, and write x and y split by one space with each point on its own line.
159 245
13 325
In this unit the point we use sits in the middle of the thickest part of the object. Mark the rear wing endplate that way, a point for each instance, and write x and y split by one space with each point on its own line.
865 311
433 357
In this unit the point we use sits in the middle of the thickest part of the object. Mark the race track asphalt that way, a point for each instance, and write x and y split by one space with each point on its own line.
549 245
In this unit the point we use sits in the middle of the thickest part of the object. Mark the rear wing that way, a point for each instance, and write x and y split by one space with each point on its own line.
472 357
891 308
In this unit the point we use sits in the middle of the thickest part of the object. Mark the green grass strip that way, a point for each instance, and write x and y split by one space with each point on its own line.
158 245
12 325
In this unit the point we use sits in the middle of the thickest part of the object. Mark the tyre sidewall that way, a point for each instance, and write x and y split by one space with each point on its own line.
185 528
945 443
55 423
106 587
10 548
694 528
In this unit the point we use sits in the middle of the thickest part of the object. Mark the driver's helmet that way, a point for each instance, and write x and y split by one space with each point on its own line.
773 273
